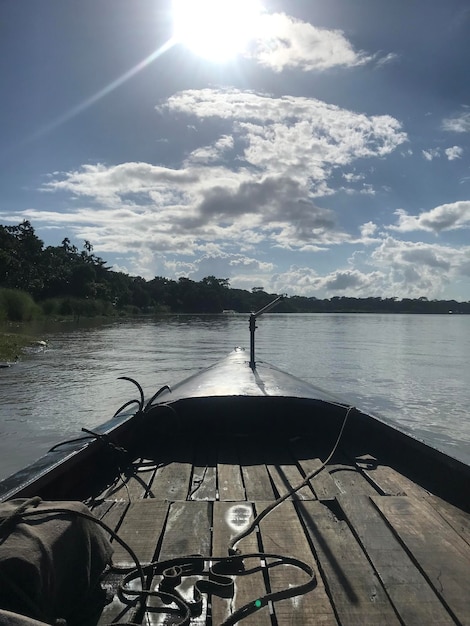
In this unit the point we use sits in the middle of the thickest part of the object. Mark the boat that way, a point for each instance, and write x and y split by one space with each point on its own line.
241 495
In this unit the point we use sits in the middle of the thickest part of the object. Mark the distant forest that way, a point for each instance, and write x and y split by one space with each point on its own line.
63 280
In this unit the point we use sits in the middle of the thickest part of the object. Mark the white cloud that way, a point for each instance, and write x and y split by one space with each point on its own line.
300 281
353 178
459 123
213 153
451 216
351 282
261 182
454 153
391 57
432 153
232 266
305 281
368 229
287 42
284 149
296 136
416 269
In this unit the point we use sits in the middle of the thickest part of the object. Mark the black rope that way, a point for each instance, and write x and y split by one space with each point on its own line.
276 503
92 435
217 582
216 577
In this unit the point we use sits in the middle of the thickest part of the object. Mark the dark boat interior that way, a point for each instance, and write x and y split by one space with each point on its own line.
384 526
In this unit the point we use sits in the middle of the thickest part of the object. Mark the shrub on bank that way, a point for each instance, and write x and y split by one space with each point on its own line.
17 306
77 307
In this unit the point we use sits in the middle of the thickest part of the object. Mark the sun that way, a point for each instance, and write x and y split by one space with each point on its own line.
217 30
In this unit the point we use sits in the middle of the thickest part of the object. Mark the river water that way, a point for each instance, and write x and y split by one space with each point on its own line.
409 369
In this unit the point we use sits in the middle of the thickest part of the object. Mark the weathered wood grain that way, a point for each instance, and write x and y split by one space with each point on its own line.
140 529
356 592
386 479
349 478
115 514
458 519
203 483
172 482
229 477
255 475
323 486
414 600
204 476
282 533
101 507
440 552
286 475
187 532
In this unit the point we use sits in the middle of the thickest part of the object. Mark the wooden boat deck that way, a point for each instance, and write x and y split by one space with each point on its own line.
384 549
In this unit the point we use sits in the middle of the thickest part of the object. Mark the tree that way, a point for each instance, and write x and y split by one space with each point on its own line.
20 261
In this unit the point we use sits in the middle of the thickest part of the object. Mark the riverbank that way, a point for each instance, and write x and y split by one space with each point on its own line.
12 345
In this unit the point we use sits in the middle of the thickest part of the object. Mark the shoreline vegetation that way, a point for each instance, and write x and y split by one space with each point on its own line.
63 282
12 345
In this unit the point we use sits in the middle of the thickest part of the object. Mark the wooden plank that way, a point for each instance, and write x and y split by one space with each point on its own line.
323 486
203 483
442 555
115 609
357 595
414 600
286 478
458 519
99 509
282 533
230 483
115 514
387 480
229 477
349 477
187 531
172 482
255 475
286 475
140 529
204 476
257 482
229 520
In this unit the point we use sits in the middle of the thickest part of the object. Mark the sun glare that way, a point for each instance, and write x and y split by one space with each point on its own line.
217 30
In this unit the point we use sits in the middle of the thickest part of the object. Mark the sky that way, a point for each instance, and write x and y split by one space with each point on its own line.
310 148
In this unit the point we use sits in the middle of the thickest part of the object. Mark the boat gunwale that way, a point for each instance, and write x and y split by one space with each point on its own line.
47 467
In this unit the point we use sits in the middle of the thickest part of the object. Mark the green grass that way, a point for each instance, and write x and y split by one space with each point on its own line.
11 345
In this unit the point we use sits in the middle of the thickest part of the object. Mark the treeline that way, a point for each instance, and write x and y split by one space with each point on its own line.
64 280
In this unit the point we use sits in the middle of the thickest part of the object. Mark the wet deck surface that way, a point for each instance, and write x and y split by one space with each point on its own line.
384 550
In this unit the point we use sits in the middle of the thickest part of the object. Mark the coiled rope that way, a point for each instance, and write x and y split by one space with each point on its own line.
276 503
217 582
